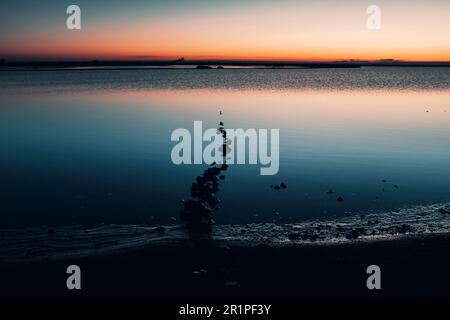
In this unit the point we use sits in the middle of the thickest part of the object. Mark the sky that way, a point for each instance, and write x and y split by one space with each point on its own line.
298 30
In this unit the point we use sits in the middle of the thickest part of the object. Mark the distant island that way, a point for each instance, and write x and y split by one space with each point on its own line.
203 67
210 64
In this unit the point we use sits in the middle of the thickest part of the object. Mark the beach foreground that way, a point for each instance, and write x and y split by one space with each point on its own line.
411 267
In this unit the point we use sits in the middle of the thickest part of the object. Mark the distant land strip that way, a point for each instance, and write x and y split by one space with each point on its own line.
207 64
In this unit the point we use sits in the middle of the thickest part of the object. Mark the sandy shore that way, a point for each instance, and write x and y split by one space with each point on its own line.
412 267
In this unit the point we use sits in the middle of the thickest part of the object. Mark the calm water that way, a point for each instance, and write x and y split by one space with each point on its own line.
93 146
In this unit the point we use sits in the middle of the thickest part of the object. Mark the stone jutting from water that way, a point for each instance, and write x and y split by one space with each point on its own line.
197 212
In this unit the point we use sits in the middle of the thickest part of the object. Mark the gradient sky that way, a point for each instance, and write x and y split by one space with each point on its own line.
232 29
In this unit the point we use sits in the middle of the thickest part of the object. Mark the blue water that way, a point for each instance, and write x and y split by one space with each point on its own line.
93 146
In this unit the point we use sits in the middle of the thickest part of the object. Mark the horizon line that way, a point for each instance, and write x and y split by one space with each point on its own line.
182 60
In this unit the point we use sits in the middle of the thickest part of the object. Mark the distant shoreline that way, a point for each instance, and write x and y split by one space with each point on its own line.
213 64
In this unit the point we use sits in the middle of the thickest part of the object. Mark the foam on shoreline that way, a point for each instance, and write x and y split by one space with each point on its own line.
34 244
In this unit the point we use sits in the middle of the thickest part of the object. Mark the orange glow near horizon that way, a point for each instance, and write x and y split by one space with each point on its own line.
284 32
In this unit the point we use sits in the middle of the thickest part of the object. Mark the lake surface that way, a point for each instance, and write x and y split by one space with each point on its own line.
93 146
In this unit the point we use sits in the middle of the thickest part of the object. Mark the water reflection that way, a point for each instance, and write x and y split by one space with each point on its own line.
104 155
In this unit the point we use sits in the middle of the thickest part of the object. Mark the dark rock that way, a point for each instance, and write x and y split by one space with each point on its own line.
211 199
214 171
293 236
404 228
283 185
355 233
203 67
340 199
277 187
330 191
309 235
444 210
196 212
160 229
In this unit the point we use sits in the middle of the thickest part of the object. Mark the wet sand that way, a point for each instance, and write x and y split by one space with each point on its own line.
412 267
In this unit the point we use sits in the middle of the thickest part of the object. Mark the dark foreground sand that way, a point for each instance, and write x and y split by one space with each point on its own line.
411 268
